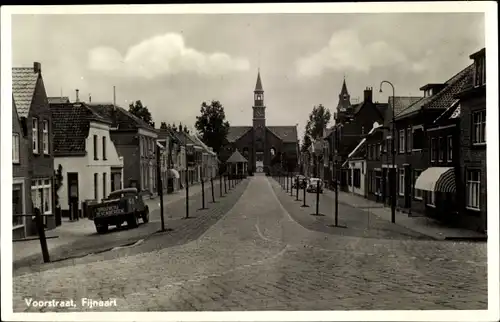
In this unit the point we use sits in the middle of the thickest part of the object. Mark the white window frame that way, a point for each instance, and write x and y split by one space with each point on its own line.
449 148
402 146
431 199
44 184
16 146
35 136
20 182
45 137
417 193
472 185
401 182
479 125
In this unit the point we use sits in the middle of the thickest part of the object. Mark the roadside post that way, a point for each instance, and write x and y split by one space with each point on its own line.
41 234
203 193
305 188
317 198
297 197
220 184
160 185
291 186
212 184
286 182
225 184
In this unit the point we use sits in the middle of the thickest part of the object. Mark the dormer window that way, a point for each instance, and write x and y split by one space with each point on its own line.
480 71
428 92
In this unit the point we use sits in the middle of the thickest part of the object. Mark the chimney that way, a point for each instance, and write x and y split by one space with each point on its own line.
114 97
368 94
90 98
37 67
77 99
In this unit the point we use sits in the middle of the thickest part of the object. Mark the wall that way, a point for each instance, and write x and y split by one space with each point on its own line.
359 164
127 146
86 166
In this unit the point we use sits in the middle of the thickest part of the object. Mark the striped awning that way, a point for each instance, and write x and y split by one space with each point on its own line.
437 179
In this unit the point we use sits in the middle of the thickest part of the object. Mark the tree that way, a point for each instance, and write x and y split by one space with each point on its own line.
141 112
212 126
318 121
306 142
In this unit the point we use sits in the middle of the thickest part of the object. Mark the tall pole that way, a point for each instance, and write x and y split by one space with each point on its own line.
212 184
393 150
220 184
187 179
160 185
336 182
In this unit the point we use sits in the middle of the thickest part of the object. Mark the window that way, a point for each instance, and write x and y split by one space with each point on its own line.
15 147
104 148
449 148
45 137
441 149
96 186
433 149
417 193
431 198
17 204
95 148
357 178
479 127
418 138
104 184
408 139
41 194
401 141
480 72
35 135
473 185
401 182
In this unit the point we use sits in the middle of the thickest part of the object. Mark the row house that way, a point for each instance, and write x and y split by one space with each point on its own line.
193 155
135 141
33 166
378 151
210 161
421 149
351 125
90 165
472 145
172 160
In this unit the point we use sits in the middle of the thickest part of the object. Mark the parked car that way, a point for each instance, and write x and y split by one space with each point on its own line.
312 185
301 181
120 206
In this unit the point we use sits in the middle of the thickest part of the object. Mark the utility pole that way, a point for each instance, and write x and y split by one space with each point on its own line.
220 184
212 184
336 182
305 188
186 177
393 150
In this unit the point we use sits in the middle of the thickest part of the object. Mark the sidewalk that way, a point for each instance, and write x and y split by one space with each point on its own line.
423 225
72 231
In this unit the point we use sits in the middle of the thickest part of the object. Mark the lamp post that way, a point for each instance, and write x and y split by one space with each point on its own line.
336 182
160 183
393 153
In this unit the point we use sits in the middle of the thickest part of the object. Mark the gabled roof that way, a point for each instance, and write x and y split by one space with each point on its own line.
70 127
288 134
120 117
184 138
360 146
444 98
24 80
203 145
58 100
236 132
401 102
164 133
236 157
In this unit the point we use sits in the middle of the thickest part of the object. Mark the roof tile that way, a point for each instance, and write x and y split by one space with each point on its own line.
286 133
24 80
119 116
236 132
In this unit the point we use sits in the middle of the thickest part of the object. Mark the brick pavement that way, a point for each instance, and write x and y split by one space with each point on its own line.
256 257
94 243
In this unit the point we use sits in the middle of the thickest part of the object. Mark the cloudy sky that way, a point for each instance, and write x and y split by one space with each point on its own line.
172 63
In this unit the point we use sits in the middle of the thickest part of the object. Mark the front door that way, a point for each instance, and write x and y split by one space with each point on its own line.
73 195
259 161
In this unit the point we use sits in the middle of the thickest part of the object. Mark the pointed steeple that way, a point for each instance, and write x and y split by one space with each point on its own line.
258 85
344 89
344 99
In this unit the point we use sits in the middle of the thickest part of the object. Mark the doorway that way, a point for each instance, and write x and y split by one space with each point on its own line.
73 195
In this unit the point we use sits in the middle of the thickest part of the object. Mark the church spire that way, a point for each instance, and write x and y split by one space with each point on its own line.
258 85
344 89
344 99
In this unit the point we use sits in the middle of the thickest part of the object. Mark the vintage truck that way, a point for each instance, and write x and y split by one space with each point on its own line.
120 206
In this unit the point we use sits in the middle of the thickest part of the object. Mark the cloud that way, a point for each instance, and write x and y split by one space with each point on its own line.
163 55
345 51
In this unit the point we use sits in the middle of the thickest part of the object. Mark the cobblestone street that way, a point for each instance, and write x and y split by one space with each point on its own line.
258 257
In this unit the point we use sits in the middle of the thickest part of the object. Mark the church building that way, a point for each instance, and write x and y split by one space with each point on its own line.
267 148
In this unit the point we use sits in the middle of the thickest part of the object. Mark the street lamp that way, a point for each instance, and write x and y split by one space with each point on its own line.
393 153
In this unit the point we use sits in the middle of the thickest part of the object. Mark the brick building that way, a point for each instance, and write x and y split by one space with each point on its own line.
267 148
472 111
30 99
135 141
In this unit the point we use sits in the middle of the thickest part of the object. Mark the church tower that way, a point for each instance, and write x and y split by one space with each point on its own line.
259 123
344 106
